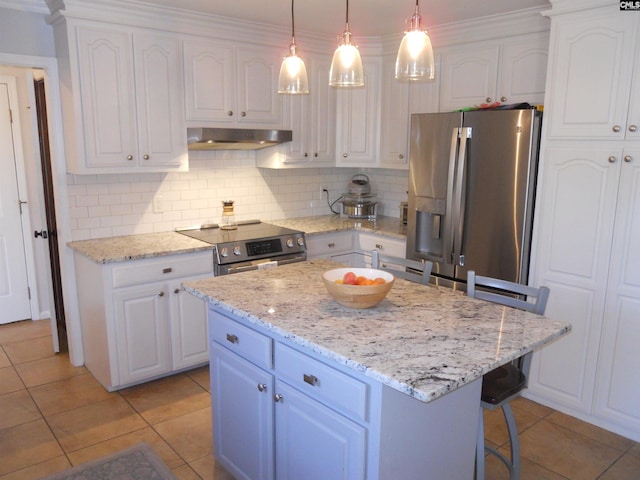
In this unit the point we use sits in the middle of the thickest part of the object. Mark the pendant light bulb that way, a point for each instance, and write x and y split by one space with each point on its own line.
293 78
346 66
415 59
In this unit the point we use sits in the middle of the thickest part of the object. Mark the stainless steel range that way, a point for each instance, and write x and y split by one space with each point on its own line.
251 246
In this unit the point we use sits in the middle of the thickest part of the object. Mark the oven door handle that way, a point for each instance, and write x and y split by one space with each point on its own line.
255 266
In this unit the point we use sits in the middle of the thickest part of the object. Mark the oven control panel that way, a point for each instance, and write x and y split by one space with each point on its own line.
239 251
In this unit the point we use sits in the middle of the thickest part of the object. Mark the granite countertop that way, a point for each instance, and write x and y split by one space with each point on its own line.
147 245
389 226
134 247
421 340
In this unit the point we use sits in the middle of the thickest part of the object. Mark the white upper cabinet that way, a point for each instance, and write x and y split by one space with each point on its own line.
312 119
394 142
510 71
231 86
594 74
124 111
358 115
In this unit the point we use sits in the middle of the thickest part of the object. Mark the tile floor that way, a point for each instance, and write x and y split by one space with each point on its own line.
53 416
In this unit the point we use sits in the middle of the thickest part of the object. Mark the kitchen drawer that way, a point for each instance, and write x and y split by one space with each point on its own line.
389 246
322 382
244 341
328 243
162 268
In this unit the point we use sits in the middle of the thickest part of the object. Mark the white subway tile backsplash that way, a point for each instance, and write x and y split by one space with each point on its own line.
112 205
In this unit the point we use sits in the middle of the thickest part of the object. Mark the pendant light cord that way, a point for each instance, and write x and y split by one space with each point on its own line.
293 28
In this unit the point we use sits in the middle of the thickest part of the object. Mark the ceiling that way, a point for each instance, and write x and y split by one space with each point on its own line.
366 17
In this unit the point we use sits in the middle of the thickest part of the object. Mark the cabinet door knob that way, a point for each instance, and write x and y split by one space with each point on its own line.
401 156
146 157
628 158
230 113
161 294
306 154
379 246
633 128
244 114
345 155
616 128
489 99
129 157
315 154
503 99
176 291
278 397
612 159
262 387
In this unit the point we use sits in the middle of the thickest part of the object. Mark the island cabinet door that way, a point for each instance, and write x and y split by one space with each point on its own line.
315 442
242 407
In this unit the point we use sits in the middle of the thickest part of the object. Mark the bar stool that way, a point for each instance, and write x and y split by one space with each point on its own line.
506 382
414 271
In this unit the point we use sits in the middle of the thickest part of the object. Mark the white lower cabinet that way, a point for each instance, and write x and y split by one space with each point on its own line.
282 412
137 321
256 424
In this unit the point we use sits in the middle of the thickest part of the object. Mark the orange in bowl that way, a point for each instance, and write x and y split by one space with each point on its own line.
367 294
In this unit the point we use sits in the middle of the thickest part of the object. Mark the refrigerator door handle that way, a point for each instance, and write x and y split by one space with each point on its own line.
449 218
460 197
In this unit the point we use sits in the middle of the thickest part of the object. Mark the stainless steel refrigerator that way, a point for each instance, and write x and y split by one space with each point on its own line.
472 179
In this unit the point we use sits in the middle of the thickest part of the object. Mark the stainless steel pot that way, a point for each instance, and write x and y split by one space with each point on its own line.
359 209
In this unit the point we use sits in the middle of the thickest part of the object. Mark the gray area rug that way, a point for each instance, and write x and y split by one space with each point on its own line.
134 463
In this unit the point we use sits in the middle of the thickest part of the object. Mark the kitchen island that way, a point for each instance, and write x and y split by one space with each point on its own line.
305 388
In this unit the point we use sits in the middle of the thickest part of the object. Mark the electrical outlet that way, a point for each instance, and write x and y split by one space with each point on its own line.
159 204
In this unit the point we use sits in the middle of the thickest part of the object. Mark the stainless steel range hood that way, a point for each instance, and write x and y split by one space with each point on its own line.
235 138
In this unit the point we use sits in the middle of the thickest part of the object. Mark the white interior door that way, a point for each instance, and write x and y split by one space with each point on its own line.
14 286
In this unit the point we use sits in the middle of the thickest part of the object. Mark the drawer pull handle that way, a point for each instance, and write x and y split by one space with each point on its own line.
331 245
232 338
310 379
262 387
167 270
379 246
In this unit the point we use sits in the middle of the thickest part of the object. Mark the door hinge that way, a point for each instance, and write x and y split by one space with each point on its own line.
10 116
29 292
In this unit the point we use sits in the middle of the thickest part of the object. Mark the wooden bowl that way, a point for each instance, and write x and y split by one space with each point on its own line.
357 296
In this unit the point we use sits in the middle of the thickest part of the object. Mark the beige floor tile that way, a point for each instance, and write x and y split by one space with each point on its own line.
496 470
39 470
48 370
566 452
627 468
29 350
22 445
532 407
25 330
495 427
201 377
67 394
167 398
591 431
94 423
4 360
17 408
207 468
147 435
189 435
9 380
183 472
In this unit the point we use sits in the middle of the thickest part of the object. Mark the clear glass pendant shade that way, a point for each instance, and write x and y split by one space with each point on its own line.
415 56
346 66
293 78
293 75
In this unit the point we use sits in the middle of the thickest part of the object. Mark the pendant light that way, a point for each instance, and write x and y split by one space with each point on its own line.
346 66
293 78
415 55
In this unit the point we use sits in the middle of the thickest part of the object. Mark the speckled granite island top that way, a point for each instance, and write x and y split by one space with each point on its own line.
389 226
421 340
134 247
